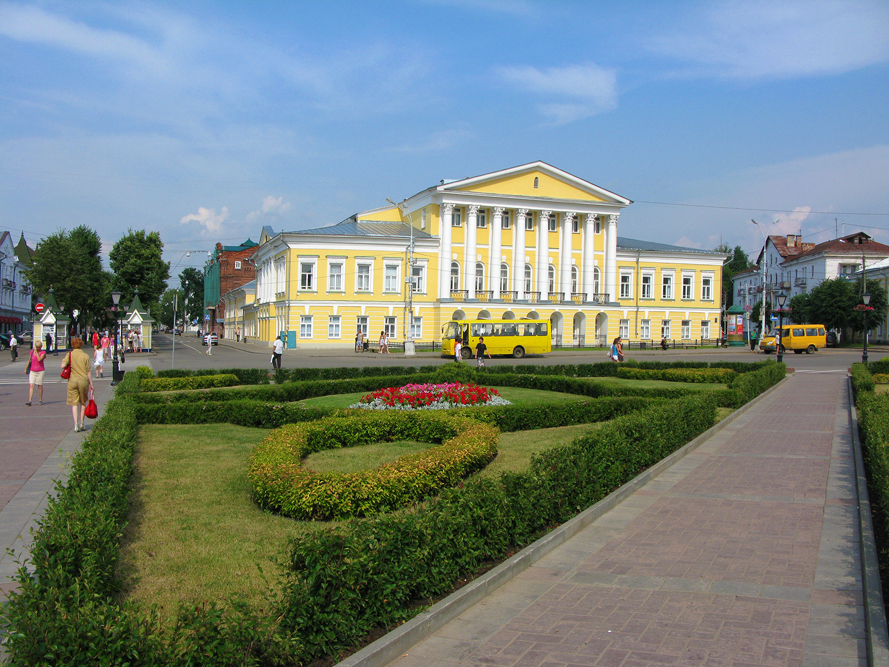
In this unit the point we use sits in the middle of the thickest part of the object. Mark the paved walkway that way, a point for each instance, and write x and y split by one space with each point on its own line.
745 552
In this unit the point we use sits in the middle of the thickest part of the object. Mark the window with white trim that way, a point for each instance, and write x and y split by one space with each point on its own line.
455 276
575 225
626 284
646 287
598 225
362 324
237 265
457 217
667 286
334 323
686 329
529 222
688 286
389 326
418 278
504 220
596 280
306 276
479 276
529 274
305 326
481 220
551 224
705 329
645 330
390 279
551 278
624 331
706 290
665 329
362 278
335 277
574 278
417 328
504 277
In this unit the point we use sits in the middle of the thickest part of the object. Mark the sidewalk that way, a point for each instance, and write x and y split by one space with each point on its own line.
745 552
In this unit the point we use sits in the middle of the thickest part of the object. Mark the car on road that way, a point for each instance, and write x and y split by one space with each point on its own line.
214 339
832 339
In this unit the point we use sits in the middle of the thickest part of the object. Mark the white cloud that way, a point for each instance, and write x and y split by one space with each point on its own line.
270 205
778 38
581 90
207 218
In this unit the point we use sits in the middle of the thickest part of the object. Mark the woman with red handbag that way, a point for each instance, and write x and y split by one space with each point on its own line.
80 383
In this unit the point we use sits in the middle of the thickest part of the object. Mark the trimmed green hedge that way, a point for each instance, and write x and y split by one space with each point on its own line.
704 375
283 485
244 375
185 383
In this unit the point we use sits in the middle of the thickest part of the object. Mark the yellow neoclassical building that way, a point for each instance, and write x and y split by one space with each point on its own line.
529 242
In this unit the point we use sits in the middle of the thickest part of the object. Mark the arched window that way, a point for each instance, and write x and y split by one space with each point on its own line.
551 275
536 182
504 277
529 273
573 278
596 280
455 276
479 277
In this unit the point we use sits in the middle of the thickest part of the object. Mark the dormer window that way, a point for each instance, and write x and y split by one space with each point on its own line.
536 182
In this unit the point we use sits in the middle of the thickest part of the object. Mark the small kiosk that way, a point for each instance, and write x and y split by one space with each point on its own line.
735 325
138 318
53 322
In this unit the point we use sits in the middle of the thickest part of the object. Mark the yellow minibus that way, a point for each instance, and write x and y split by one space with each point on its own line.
515 337
800 338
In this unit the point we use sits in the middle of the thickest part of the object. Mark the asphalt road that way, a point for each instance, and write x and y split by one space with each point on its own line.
190 354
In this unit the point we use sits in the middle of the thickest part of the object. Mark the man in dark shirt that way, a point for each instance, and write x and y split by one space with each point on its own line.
480 350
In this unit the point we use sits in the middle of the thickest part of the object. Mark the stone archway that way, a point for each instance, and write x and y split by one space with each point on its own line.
458 315
579 329
509 315
533 315
602 330
484 315
556 322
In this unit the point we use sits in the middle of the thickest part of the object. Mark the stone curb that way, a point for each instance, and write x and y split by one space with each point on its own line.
877 637
397 642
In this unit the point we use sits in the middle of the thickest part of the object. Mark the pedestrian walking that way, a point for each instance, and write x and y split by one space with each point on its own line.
384 343
753 341
95 338
209 345
480 350
139 341
458 350
49 347
277 352
359 340
238 335
617 350
99 361
35 371
13 346
80 382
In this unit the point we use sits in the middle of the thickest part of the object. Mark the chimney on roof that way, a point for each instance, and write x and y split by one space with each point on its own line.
791 240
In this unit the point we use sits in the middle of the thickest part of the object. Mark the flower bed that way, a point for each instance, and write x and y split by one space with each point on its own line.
430 397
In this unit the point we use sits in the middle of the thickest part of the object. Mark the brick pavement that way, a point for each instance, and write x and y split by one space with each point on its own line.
743 553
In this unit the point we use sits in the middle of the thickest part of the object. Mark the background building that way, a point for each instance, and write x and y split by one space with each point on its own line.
228 268
16 314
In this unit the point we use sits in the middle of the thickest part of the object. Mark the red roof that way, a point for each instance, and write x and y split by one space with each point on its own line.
854 244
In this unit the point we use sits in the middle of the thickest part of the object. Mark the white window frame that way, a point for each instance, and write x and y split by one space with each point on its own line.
308 280
686 329
551 278
457 217
305 327
504 277
481 220
575 225
705 329
390 326
479 276
667 285
645 329
529 221
418 279
647 285
237 265
361 323
335 326
624 329
707 288
417 328
552 224
504 220
597 280
455 276
688 286
359 264
626 284
391 278
528 278
575 279
598 225
666 329
332 274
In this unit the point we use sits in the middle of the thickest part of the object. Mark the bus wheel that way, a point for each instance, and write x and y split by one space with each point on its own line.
466 353
810 349
519 352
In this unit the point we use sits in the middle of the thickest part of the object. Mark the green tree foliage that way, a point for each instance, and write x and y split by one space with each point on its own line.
192 282
878 301
800 308
166 307
738 261
137 263
70 263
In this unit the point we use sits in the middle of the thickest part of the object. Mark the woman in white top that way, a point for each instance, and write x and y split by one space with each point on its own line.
384 343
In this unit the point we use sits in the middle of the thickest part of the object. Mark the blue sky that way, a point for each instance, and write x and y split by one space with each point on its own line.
207 120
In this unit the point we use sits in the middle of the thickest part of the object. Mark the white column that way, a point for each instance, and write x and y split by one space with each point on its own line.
518 253
444 267
565 254
543 254
589 249
495 251
469 250
611 259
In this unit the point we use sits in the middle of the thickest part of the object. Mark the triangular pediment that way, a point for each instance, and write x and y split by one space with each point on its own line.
535 180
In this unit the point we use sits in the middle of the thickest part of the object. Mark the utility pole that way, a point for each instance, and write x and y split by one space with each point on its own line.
408 317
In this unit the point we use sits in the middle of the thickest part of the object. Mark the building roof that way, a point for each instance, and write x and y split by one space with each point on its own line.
853 245
650 246
352 227
24 252
237 248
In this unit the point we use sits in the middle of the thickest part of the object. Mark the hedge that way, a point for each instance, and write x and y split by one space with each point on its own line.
185 383
283 485
715 375
244 375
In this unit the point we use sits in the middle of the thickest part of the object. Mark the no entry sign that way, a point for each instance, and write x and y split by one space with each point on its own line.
39 307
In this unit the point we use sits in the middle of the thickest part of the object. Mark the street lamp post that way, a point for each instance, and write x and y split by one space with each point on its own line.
762 267
115 364
866 298
782 299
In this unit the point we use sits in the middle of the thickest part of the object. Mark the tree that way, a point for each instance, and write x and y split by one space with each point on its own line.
137 263
69 263
878 301
800 308
738 261
192 281
831 303
166 307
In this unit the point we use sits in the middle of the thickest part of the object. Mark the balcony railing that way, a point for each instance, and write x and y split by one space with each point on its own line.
578 297
460 294
800 282
599 298
556 297
508 296
532 297
484 295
